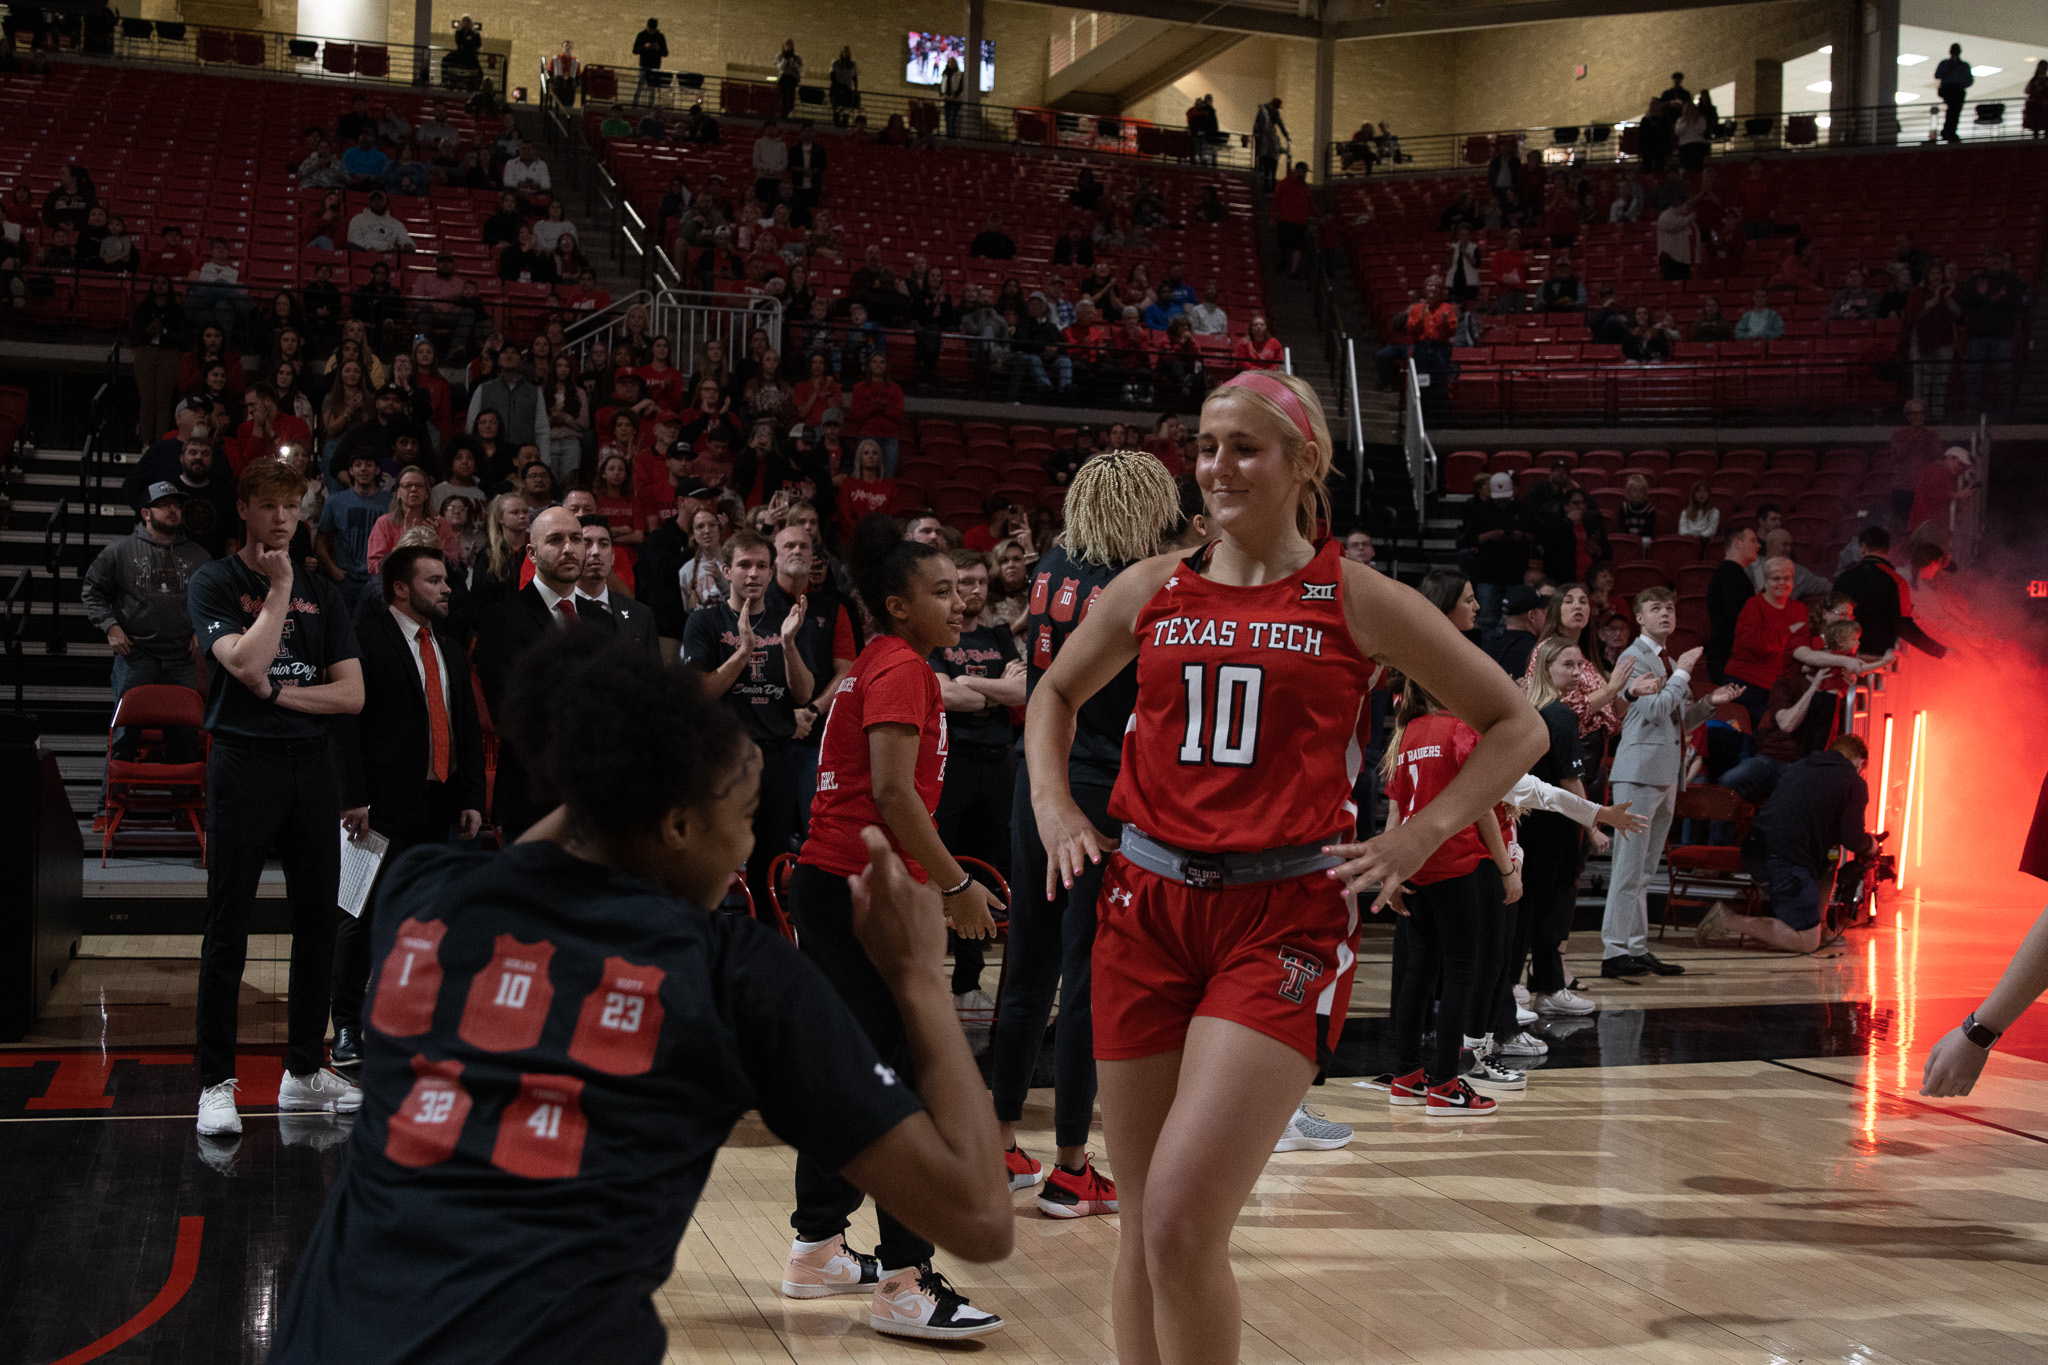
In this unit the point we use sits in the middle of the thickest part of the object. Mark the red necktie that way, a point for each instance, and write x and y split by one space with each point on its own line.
437 705
568 610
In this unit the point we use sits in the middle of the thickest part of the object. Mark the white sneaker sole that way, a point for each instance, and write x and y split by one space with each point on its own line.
215 1127
318 1106
1309 1144
1462 1113
892 1328
1027 1182
1568 1010
1524 1052
822 1291
1404 1102
1095 1209
1492 1086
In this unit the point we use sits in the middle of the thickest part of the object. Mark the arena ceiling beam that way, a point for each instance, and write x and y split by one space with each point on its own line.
1354 19
1274 21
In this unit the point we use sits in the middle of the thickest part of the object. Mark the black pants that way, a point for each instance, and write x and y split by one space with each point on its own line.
785 86
782 775
352 932
1550 888
1953 97
1445 923
973 821
825 1200
768 189
259 795
1052 943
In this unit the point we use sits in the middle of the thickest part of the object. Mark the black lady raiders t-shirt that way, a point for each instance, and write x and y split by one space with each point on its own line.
555 1052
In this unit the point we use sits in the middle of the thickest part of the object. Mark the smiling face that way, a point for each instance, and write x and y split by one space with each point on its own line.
930 615
1243 469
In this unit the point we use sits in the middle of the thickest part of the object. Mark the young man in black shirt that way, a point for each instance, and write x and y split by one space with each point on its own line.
284 659
751 658
560 1039
650 45
980 679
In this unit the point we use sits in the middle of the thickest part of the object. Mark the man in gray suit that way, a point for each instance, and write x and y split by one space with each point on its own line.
1649 768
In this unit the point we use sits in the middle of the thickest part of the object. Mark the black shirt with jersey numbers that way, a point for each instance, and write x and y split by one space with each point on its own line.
760 696
554 1053
1061 594
983 652
224 599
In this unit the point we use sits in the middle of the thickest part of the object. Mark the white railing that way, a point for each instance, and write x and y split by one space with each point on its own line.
1422 463
689 318
1357 427
604 324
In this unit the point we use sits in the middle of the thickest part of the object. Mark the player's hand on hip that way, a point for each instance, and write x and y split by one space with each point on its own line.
970 912
1384 861
1071 843
897 921
1953 1065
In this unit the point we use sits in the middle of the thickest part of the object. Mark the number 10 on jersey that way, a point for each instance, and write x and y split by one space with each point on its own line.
1232 736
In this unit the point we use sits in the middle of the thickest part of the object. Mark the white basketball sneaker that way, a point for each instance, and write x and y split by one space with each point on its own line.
217 1113
323 1089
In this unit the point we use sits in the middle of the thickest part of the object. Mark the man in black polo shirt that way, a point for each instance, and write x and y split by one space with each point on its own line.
284 655
980 679
754 662
1818 804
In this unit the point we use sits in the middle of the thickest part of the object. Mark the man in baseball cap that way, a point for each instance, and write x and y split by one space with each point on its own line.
1942 485
1500 544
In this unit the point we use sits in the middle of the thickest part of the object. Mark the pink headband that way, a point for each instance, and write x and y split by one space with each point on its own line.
1288 400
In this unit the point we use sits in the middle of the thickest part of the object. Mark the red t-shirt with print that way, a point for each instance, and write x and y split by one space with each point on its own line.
891 684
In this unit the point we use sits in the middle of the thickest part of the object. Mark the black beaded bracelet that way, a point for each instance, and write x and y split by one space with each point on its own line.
965 882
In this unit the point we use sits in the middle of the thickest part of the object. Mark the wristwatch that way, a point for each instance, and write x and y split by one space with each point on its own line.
1977 1033
277 688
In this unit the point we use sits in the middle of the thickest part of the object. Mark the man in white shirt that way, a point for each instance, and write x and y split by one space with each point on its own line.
1207 317
374 229
1678 242
216 295
527 174
771 163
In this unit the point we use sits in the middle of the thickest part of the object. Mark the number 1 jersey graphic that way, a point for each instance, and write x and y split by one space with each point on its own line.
620 1022
541 1133
509 998
410 982
427 1126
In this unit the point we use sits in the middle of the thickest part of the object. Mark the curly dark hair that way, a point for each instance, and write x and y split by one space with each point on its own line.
621 738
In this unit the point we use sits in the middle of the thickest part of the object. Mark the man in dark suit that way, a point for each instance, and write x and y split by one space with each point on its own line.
503 632
411 764
595 599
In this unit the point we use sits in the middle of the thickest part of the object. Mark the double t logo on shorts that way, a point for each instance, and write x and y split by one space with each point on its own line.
1300 969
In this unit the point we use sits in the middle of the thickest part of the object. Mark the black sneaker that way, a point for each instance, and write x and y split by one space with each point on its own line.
1651 964
1624 966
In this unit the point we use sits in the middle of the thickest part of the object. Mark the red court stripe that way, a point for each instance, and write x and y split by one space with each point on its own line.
184 1267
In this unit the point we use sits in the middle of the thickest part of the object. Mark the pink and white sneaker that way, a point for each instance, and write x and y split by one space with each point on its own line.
818 1270
918 1302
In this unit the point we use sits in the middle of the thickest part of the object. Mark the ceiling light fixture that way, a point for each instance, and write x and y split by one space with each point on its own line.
1985 70
1822 87
1910 59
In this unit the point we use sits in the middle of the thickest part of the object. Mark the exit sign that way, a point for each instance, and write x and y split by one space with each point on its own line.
2038 588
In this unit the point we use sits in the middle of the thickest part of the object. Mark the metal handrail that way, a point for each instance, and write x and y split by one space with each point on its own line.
1742 135
689 317
56 540
220 47
19 608
1423 468
1350 373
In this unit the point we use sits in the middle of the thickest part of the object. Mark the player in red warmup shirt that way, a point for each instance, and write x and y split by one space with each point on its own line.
1224 930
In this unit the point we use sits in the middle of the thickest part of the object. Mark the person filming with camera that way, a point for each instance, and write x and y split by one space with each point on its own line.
1818 804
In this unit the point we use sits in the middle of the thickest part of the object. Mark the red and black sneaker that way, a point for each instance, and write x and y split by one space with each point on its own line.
1070 1194
1410 1090
1454 1099
1024 1172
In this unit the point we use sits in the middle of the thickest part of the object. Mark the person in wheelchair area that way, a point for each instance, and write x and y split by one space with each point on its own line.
1818 804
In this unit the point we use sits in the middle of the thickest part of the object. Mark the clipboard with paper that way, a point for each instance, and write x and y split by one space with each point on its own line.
360 859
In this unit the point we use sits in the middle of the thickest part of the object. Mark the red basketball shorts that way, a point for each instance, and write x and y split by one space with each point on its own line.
1274 956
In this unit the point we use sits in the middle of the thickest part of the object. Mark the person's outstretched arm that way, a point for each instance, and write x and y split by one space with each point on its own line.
1955 1062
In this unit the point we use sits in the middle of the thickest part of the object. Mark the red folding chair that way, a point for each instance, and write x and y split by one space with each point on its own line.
146 785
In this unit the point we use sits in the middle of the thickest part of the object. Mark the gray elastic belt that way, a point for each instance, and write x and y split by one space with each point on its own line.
1208 870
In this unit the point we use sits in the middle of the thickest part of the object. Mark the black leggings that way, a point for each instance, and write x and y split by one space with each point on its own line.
825 1200
973 821
1051 944
1550 888
1446 925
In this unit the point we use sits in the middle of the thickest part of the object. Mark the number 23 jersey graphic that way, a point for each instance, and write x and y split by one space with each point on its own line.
1245 732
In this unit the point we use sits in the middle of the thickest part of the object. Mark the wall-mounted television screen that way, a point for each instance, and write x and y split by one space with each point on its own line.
928 53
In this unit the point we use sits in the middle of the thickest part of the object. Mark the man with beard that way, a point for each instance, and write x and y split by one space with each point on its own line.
412 761
209 517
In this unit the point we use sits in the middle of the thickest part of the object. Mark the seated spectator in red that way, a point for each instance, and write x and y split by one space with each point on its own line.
172 258
1005 520
1799 270
818 392
1940 486
585 296
1772 624
867 489
660 379
267 432
1259 349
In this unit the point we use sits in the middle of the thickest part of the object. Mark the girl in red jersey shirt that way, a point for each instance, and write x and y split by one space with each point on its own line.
882 763
1454 905
1224 930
